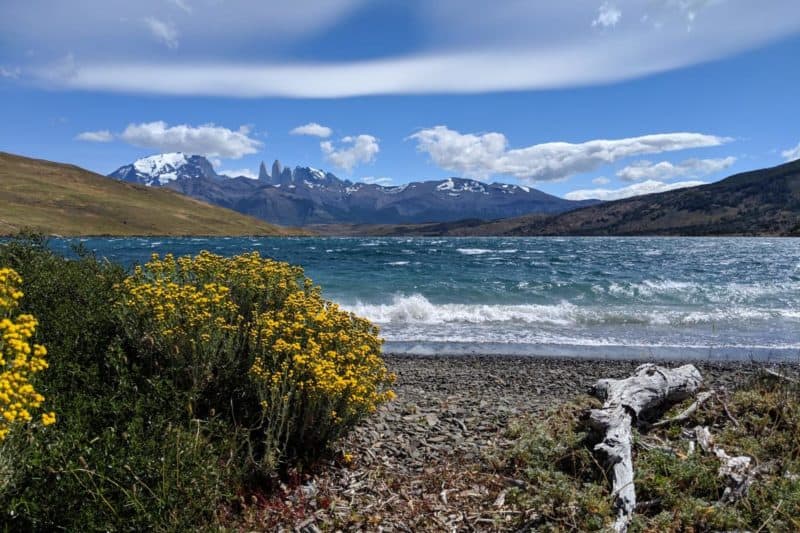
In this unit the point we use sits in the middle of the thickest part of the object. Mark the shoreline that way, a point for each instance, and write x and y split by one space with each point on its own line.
613 354
425 460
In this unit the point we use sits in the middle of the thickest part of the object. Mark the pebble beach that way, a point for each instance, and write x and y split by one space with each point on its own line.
424 462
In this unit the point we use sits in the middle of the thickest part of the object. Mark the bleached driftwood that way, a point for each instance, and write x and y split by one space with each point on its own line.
625 401
737 471
778 375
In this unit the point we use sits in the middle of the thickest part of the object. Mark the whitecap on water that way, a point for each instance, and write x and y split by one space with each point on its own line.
473 251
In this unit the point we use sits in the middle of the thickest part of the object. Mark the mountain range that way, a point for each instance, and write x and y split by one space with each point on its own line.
58 198
760 202
304 195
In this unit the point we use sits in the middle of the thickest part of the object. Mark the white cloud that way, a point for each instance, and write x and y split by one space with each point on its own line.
360 149
164 32
607 15
10 73
792 153
601 181
487 154
313 129
235 48
207 139
245 172
637 189
689 8
664 170
183 5
376 180
100 136
234 30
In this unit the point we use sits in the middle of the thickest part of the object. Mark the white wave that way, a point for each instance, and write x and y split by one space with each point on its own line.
416 309
693 292
398 263
473 251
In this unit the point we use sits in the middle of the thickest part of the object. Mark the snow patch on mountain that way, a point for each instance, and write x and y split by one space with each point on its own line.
461 185
162 166
161 169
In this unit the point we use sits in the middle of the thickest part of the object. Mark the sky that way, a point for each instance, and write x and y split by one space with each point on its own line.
579 98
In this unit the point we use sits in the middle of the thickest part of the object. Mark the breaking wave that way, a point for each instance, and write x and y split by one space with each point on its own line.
416 309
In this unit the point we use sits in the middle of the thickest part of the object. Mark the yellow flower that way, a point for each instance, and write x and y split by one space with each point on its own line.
19 359
306 357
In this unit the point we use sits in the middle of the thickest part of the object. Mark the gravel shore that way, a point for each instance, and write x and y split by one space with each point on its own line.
424 461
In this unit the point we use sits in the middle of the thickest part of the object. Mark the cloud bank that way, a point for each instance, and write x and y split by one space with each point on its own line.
485 155
637 189
312 129
607 16
100 136
358 149
207 139
164 32
238 49
646 170
792 153
241 172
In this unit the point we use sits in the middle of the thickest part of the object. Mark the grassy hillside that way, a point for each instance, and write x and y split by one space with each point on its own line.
761 202
61 199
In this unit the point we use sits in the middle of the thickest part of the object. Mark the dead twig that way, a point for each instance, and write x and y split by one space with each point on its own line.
727 412
688 412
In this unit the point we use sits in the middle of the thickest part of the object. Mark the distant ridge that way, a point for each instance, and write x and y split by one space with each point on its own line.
305 195
57 198
758 203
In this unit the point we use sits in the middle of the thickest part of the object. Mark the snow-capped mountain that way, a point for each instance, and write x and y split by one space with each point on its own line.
307 195
161 169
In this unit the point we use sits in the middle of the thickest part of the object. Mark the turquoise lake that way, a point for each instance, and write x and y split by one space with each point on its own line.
644 298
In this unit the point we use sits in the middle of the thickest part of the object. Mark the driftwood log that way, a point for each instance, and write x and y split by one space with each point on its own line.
649 389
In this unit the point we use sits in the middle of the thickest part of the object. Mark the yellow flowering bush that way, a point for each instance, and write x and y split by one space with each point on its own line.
318 370
19 359
253 339
192 322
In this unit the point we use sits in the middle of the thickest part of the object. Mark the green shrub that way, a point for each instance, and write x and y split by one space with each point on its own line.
100 467
251 340
173 390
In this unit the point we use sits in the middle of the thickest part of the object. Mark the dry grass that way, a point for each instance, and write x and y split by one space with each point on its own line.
59 199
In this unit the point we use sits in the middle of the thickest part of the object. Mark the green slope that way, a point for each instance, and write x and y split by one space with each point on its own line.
60 199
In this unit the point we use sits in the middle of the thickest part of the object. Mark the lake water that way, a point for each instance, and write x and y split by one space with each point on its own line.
719 298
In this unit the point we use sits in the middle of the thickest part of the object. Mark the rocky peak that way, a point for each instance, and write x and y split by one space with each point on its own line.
263 175
276 171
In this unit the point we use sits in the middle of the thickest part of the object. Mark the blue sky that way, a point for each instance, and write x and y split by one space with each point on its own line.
578 98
